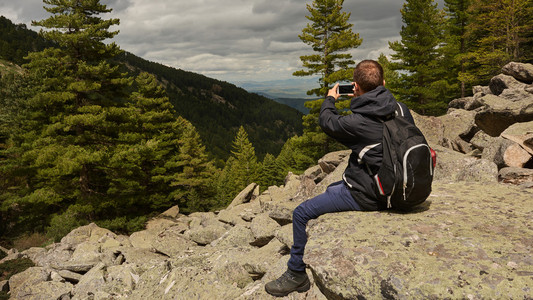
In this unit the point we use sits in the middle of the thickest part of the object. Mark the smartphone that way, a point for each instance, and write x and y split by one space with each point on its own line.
345 89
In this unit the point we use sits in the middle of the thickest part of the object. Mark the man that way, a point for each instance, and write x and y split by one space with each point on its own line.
360 131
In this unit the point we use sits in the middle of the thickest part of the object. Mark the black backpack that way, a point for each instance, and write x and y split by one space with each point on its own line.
406 173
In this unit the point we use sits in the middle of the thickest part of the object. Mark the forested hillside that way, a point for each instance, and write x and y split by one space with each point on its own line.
216 108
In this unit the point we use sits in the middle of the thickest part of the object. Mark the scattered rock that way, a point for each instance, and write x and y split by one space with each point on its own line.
520 71
264 229
245 195
501 82
517 176
172 212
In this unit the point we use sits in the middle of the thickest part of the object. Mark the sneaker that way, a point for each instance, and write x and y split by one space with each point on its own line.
287 283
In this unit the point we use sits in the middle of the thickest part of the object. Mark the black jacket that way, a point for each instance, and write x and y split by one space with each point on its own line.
358 130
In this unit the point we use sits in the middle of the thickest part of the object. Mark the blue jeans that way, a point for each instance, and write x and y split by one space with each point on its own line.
336 198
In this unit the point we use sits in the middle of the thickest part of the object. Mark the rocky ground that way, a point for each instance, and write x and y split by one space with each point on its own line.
472 239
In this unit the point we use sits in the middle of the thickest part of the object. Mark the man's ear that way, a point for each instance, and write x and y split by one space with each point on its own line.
383 82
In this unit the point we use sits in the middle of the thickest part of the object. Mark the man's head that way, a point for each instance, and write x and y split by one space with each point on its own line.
368 75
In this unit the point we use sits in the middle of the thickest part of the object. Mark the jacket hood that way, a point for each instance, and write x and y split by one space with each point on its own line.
377 103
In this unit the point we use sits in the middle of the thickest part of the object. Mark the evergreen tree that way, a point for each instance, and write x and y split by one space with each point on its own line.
74 115
422 84
195 181
330 35
391 77
271 173
241 168
499 32
455 43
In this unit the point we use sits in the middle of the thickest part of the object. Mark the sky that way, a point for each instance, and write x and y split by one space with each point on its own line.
230 40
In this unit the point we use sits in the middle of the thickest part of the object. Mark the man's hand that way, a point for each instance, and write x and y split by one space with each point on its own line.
333 91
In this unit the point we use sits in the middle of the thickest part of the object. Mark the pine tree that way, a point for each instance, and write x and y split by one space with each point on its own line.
422 85
240 170
456 44
271 173
391 77
75 113
195 182
330 35
499 32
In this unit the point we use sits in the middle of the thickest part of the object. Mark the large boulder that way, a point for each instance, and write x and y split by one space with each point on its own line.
454 166
469 241
431 127
520 71
522 134
498 113
502 82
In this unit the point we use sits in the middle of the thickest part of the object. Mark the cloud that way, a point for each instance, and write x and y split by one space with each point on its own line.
233 40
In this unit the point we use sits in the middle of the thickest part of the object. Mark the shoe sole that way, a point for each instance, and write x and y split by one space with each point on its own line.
302 288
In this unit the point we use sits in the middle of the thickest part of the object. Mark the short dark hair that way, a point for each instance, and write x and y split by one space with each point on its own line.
368 74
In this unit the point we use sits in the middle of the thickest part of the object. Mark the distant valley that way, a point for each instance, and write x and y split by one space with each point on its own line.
291 92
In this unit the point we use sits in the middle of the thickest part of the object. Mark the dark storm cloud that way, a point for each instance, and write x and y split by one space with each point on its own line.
229 39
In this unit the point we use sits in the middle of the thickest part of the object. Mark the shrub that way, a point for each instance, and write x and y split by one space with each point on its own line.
124 225
15 266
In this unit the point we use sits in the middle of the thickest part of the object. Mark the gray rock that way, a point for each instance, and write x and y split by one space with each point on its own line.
498 114
431 127
285 235
468 243
480 170
501 82
245 195
56 253
466 103
172 212
159 224
315 173
481 140
4 286
235 237
495 152
171 242
44 291
330 161
281 211
517 176
144 258
205 235
258 261
459 127
454 166
90 232
185 278
481 90
93 281
520 71
142 239
30 277
70 276
231 215
515 95
522 134
264 229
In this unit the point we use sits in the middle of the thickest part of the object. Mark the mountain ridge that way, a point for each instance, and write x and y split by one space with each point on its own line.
216 108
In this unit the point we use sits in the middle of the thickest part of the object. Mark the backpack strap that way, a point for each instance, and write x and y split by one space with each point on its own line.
399 110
